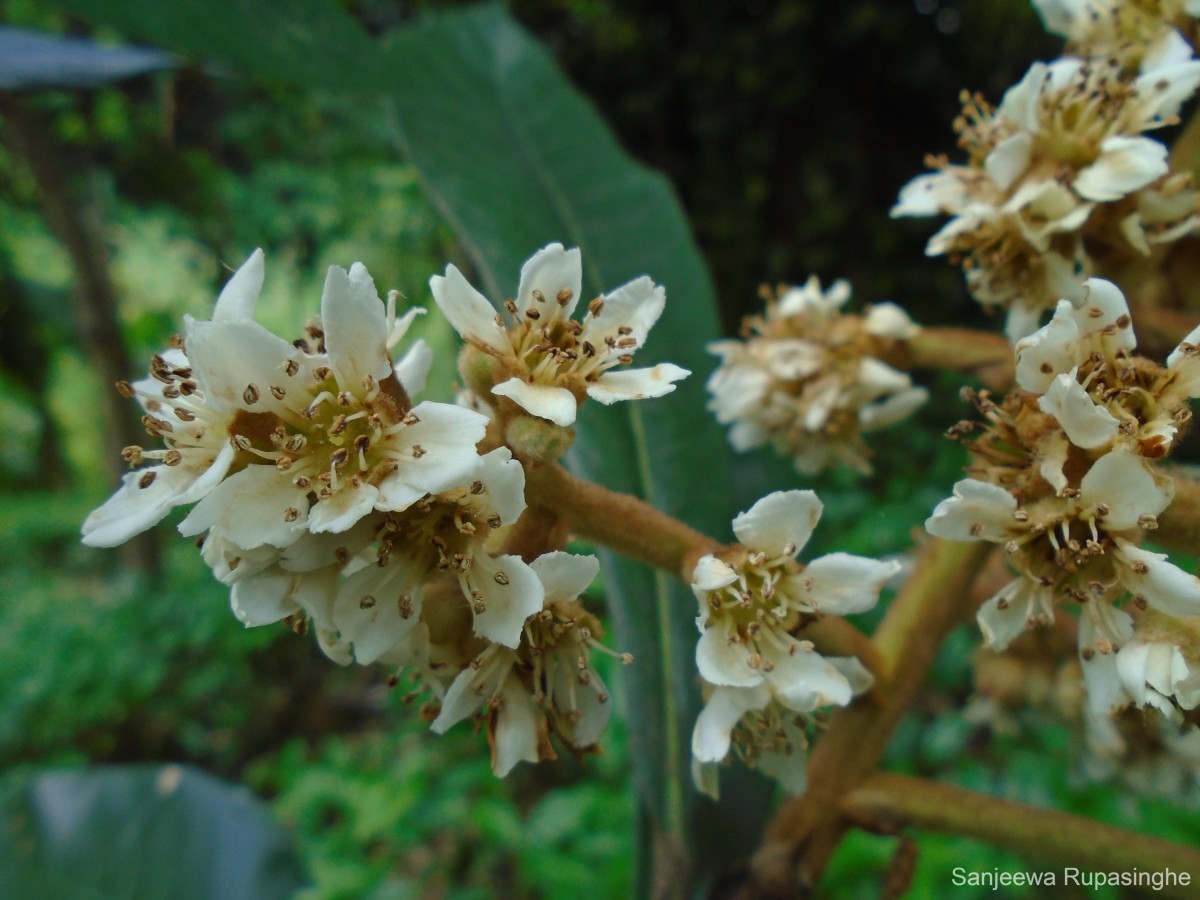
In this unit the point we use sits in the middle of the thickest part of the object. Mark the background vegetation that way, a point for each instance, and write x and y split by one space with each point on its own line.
785 128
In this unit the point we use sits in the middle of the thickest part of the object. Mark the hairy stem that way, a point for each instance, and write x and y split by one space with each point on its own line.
1179 525
807 829
983 354
886 803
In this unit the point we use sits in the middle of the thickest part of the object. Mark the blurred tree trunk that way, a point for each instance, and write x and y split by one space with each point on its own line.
75 217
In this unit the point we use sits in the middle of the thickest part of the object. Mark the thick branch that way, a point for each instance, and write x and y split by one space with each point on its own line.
807 829
1179 525
886 802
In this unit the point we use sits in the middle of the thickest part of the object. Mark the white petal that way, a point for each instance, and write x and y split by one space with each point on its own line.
588 707
341 511
549 271
712 574
636 384
1049 351
1164 87
894 409
1122 482
252 508
723 663
887 320
1021 321
512 593
544 401
635 305
355 326
226 357
1164 585
857 675
468 311
1009 159
978 511
714 725
1011 611
1086 424
133 509
877 378
805 680
263 599
1167 51
1020 103
413 368
790 767
368 610
944 191
844 584
791 359
240 294
461 700
515 738
503 485
448 435
211 476
1055 448
1103 306
1125 164
1106 694
565 576
780 523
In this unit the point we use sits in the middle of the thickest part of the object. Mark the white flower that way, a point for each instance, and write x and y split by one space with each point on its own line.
753 601
275 439
806 381
1156 672
548 361
767 728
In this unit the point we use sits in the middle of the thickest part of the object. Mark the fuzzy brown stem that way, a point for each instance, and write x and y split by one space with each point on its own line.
807 829
887 802
619 521
1179 526
983 354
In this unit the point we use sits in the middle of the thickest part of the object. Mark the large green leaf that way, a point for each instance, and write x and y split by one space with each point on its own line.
516 158
142 833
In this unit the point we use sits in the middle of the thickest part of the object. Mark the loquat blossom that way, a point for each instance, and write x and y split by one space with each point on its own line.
543 360
275 439
1061 170
1128 30
806 378
755 601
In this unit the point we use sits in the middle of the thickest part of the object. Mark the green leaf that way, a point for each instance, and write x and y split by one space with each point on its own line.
142 833
515 158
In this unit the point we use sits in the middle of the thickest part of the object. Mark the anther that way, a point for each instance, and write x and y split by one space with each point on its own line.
147 479
250 395
291 514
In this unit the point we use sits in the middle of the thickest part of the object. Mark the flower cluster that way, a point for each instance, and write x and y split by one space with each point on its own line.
807 378
764 677
1118 28
1065 478
326 497
1060 174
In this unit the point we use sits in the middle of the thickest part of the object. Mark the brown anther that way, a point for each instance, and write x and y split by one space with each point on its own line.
240 441
133 455
366 602
338 457
362 443
125 389
477 487
290 368
345 398
564 296
532 313
500 578
302 481
511 306
494 520
411 419
418 451
250 395
338 426
284 462
146 479
596 306
341 555
321 373
538 296
625 359
1139 567
173 458
291 514
278 392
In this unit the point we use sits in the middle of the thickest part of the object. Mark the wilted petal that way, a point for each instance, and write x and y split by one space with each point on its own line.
542 400
1055 448
887 320
263 598
514 734
780 523
636 384
978 511
894 409
1016 607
